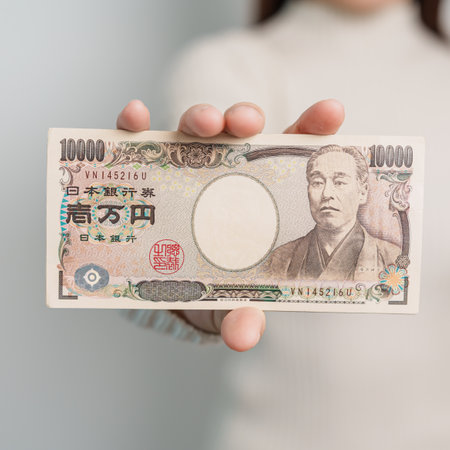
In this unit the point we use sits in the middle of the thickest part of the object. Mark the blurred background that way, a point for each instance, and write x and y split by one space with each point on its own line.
75 379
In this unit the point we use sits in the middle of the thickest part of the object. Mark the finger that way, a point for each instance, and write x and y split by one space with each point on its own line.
202 120
324 117
244 119
242 328
134 117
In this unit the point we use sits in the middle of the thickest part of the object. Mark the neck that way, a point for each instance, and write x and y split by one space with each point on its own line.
330 239
361 8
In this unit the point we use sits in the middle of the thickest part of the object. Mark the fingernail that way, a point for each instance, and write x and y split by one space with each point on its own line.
189 123
202 107
247 109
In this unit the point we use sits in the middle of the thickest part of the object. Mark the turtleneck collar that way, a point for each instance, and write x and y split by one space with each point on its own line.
329 19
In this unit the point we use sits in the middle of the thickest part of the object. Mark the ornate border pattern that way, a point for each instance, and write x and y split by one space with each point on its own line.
179 154
198 155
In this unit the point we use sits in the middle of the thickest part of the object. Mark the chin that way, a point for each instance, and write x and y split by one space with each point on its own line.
329 226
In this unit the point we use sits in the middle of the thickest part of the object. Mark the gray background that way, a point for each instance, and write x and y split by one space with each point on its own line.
73 379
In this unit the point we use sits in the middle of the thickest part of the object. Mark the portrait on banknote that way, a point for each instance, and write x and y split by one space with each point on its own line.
339 246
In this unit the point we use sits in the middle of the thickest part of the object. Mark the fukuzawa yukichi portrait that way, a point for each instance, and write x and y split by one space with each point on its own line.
338 247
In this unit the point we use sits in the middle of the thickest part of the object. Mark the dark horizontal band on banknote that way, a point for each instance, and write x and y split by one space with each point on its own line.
280 151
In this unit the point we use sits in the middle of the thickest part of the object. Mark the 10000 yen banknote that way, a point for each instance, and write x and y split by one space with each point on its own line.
282 222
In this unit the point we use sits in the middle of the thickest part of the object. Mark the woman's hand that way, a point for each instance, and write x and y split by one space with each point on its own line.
241 328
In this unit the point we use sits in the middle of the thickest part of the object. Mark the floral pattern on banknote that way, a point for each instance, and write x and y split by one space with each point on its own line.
68 174
178 154
378 292
174 179
393 277
282 168
399 189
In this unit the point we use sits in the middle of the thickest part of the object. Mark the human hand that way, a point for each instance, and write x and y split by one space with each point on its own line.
241 328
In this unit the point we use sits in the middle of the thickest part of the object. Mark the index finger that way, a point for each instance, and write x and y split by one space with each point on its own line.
134 117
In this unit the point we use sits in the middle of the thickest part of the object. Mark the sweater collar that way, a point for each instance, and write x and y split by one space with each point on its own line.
330 21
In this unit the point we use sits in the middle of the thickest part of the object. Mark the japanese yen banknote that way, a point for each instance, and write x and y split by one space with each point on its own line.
281 222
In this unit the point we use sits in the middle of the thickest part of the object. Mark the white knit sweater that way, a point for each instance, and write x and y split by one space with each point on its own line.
328 381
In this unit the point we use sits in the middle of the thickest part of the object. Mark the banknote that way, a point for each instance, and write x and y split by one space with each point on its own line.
165 220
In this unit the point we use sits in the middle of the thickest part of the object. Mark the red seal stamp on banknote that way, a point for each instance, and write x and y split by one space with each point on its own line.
166 256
